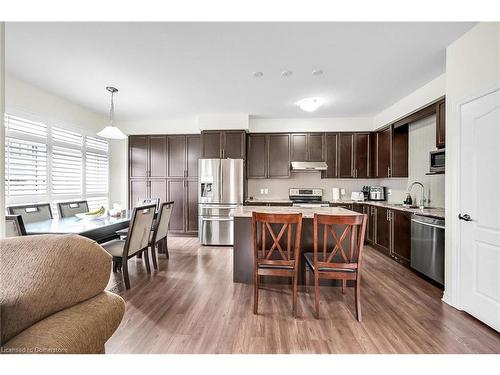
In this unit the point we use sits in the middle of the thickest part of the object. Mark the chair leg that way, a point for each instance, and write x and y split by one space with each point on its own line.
255 292
165 247
358 299
125 273
153 256
146 259
316 294
307 278
343 286
115 265
294 299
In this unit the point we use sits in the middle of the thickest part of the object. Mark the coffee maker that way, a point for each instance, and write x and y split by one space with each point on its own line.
374 193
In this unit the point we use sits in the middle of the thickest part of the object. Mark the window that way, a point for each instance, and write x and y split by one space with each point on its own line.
45 163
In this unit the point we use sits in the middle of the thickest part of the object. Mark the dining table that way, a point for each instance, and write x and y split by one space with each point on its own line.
100 229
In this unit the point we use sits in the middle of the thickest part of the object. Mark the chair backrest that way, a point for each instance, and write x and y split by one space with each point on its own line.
140 229
68 209
32 212
146 201
14 226
162 221
342 241
270 229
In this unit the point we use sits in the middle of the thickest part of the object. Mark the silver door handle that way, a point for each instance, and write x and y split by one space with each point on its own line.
217 219
428 224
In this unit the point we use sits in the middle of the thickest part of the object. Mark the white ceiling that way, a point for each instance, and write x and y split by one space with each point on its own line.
180 69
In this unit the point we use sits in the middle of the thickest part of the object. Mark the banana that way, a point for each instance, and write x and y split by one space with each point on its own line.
98 212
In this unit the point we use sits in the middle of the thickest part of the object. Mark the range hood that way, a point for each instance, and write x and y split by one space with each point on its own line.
309 166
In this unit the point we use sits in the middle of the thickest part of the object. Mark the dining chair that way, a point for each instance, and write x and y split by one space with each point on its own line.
14 226
160 231
68 209
342 259
32 212
137 241
145 201
282 257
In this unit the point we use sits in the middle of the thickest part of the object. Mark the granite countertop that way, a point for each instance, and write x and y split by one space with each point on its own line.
268 200
246 211
431 212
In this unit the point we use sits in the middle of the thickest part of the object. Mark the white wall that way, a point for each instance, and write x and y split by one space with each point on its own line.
472 68
411 103
267 125
2 129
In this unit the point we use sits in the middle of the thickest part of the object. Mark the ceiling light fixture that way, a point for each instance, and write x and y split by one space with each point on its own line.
286 73
258 74
310 104
317 72
111 131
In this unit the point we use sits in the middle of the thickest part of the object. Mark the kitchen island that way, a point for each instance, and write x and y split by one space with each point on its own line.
243 239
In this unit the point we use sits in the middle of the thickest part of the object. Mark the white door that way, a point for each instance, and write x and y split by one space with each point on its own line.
480 200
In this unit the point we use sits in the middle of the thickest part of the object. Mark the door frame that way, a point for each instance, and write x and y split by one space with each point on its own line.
453 243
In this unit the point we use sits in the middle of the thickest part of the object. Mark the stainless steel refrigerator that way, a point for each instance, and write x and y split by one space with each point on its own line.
220 191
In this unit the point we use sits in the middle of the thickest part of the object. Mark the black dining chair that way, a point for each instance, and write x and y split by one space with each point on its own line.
32 212
14 226
68 209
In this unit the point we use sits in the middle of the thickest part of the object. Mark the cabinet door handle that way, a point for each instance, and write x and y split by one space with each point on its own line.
356 174
388 172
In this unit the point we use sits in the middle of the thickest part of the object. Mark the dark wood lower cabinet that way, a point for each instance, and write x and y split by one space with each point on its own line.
176 193
192 207
382 230
184 219
401 236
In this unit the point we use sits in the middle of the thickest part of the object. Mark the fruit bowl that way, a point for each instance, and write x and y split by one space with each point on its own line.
92 215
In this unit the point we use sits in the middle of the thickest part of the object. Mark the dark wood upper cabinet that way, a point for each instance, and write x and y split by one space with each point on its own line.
278 155
307 147
257 156
157 156
223 144
399 154
331 146
193 152
401 236
361 159
383 229
176 146
345 161
234 144
384 152
440 124
298 147
138 156
211 144
316 147
373 155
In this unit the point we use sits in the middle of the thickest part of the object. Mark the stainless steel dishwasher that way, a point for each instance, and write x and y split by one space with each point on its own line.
427 247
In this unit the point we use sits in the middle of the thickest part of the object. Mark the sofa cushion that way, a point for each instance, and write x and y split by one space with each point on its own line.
40 275
80 329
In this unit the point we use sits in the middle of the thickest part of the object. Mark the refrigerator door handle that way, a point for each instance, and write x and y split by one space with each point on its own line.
221 181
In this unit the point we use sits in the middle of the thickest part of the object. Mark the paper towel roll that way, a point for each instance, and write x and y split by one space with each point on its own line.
335 194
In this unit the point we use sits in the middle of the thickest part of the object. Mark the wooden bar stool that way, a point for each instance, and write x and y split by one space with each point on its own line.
339 262
275 260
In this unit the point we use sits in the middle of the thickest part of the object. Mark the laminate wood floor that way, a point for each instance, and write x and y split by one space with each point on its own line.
191 305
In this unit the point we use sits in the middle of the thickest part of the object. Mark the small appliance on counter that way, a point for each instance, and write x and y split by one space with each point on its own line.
335 194
357 196
307 198
376 193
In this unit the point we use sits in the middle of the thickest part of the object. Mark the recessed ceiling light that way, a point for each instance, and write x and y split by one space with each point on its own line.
310 104
286 73
258 74
317 72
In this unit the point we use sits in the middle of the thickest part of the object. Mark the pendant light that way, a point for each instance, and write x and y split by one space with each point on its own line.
111 131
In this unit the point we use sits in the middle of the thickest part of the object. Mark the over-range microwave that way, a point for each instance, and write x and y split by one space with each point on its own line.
437 159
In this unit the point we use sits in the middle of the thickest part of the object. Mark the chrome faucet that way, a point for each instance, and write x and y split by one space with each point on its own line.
423 200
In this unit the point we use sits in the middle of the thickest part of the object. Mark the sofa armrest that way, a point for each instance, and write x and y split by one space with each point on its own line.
82 328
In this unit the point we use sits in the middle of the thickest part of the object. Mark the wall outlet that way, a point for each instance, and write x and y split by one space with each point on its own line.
265 191
389 191
262 191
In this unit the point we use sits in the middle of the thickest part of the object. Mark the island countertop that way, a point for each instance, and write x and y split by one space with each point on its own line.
307 213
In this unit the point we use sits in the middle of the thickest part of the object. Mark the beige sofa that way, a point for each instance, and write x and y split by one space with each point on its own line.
52 297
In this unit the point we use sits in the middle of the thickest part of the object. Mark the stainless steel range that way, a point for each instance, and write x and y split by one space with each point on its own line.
307 197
